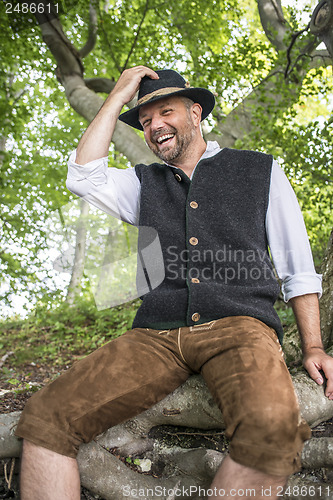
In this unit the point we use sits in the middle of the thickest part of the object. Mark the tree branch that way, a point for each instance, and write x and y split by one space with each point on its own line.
92 36
137 35
190 405
74 286
268 95
83 100
321 23
64 52
294 37
113 57
320 58
104 85
273 22
318 453
326 302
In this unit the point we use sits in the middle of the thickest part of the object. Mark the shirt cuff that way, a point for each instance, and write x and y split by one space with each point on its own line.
301 284
95 171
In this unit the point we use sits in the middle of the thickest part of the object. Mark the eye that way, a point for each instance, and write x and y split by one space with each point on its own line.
145 123
166 111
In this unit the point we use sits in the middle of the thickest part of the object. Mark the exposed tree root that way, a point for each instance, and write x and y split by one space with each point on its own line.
191 405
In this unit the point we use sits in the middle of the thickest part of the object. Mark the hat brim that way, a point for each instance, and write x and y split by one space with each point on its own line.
201 96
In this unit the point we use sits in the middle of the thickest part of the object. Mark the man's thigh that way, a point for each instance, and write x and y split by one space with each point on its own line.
253 388
111 385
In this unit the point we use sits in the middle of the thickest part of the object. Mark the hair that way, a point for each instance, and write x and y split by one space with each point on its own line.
188 102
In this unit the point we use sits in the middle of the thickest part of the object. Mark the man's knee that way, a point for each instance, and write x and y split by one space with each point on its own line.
44 424
274 426
270 439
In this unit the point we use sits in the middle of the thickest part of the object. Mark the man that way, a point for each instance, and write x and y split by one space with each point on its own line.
214 211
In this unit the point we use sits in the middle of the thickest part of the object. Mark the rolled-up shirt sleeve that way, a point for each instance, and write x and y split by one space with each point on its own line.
113 190
288 239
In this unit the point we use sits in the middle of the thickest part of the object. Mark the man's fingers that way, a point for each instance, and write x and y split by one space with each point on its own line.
325 364
329 388
315 373
129 82
313 366
328 370
329 394
151 73
140 72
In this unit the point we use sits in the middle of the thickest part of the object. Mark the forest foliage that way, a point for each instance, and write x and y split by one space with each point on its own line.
219 44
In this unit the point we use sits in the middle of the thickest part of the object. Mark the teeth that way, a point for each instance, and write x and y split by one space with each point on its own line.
164 138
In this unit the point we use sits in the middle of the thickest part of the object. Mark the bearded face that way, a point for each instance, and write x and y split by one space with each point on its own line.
168 128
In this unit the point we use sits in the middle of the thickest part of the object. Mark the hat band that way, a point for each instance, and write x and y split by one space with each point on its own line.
157 93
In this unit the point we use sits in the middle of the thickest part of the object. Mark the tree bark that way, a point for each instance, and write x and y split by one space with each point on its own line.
84 101
74 286
326 302
191 405
282 86
321 23
273 22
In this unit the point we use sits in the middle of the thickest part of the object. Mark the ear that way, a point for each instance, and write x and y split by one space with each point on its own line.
196 112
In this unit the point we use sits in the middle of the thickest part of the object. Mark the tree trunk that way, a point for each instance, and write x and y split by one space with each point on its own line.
322 24
74 286
326 302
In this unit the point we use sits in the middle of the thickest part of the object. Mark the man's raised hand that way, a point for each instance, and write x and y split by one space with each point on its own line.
129 82
95 142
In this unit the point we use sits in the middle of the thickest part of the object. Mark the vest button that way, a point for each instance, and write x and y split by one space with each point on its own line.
194 204
195 317
195 280
178 177
194 241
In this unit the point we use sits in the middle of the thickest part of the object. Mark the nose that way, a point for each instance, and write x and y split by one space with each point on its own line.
157 123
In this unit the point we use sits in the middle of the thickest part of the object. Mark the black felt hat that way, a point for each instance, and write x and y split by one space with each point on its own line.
169 83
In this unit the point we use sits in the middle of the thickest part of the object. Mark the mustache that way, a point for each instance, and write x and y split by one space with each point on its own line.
163 131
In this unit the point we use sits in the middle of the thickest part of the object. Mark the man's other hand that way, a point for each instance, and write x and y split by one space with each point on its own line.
318 363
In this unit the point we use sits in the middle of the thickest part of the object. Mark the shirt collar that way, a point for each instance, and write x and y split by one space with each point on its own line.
211 150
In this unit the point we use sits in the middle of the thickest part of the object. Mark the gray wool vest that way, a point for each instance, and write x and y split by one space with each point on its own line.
213 239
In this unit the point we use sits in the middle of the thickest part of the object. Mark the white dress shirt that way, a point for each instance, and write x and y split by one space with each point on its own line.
117 192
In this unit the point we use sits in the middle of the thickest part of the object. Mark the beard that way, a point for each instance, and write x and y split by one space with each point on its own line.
182 141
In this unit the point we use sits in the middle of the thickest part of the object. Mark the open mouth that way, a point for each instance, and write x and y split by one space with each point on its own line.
165 139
